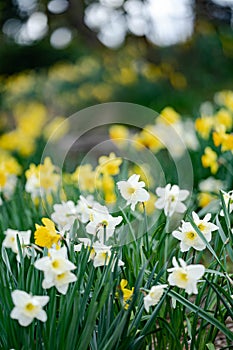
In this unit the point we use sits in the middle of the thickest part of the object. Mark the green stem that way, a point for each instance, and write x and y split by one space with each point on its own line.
146 227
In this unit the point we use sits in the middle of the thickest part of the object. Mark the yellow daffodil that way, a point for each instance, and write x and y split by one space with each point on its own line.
204 126
148 139
127 293
119 134
46 236
209 160
224 117
109 165
108 187
85 178
168 116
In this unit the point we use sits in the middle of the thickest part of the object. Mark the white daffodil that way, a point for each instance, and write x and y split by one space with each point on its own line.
27 307
185 276
171 198
132 191
56 269
154 295
60 281
103 254
9 187
190 238
10 240
84 208
210 185
64 215
102 223
228 199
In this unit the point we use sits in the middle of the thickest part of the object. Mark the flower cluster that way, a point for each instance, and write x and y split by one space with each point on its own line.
56 268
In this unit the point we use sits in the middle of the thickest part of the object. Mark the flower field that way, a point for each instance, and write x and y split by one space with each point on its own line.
128 249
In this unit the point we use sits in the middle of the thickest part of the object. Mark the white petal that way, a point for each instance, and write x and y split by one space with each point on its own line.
207 217
184 247
147 302
196 271
133 206
177 234
42 316
174 262
195 217
171 280
63 288
182 263
142 195
160 191
47 284
160 203
25 321
20 297
15 313
183 194
134 178
42 264
180 207
42 300
199 246
91 228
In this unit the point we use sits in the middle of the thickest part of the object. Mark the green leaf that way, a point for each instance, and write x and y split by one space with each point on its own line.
203 314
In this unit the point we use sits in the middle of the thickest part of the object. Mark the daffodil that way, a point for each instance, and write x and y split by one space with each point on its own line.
10 240
154 295
132 191
168 116
84 208
42 180
103 255
190 238
109 165
46 236
185 276
27 307
224 117
64 215
210 160
204 125
9 169
148 138
127 293
211 185
107 185
102 224
170 199
119 134
84 177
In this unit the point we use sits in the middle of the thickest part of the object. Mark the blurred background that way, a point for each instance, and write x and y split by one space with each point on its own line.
67 55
